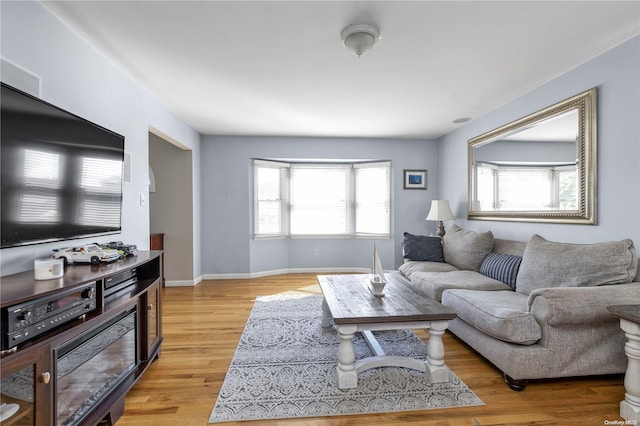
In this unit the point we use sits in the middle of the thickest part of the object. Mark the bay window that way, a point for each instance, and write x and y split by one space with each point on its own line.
521 187
313 199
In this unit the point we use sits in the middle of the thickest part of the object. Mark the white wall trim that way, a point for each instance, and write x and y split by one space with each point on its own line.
169 139
180 283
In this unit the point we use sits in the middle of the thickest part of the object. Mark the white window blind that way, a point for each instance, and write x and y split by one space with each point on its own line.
100 175
42 169
100 180
567 177
373 199
42 176
526 187
320 199
270 182
486 187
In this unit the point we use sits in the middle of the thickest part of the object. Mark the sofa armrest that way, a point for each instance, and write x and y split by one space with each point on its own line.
580 305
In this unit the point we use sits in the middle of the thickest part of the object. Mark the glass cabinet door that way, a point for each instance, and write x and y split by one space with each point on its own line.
153 317
25 388
92 364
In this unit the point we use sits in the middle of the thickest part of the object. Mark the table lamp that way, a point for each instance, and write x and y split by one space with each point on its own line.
440 211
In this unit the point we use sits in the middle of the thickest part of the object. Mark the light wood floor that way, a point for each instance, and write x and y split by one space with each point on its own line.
202 326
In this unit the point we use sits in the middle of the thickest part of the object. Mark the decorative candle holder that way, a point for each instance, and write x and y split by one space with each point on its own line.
377 285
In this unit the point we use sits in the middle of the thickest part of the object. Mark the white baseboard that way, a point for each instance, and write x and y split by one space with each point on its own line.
183 283
251 275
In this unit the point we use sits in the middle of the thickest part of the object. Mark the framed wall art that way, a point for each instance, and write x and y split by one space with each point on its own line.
415 179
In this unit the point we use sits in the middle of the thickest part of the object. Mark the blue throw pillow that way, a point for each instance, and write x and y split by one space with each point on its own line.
501 267
420 247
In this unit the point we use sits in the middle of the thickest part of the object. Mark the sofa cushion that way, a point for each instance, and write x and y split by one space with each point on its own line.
420 247
466 249
551 264
502 267
433 284
503 315
513 247
410 267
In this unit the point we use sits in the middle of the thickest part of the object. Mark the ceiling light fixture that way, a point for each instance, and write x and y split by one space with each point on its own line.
360 38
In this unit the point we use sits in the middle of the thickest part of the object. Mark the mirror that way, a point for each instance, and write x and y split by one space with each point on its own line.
540 168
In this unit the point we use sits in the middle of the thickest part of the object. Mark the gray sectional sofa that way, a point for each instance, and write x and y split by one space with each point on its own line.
536 309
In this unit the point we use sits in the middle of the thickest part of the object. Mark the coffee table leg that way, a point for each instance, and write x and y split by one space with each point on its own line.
630 406
326 315
347 374
435 348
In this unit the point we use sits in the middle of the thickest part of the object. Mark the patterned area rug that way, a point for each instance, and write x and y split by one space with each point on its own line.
285 367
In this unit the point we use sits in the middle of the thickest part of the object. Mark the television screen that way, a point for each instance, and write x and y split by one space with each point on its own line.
61 175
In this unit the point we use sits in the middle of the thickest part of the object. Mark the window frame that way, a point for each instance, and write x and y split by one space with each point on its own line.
552 170
352 203
283 198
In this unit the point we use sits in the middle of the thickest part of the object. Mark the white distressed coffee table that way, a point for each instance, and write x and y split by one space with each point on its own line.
351 307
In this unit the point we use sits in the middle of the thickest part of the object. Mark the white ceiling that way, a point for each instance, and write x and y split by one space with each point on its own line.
279 68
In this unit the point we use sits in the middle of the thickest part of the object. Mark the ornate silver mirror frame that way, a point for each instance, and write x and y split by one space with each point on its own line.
540 168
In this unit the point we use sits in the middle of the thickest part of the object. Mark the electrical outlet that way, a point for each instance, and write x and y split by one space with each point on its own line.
315 252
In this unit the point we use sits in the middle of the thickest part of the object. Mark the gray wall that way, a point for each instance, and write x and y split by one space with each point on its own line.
616 74
170 208
76 77
228 247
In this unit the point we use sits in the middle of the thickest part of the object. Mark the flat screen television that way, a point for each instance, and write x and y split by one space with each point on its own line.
61 175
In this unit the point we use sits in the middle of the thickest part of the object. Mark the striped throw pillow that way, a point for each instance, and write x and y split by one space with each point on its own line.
501 267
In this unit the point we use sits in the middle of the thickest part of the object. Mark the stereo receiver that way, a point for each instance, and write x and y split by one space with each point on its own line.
115 283
23 322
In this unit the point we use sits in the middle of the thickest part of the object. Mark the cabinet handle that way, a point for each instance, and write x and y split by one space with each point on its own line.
149 306
45 377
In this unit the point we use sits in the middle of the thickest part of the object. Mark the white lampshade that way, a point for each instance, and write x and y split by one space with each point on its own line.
440 210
